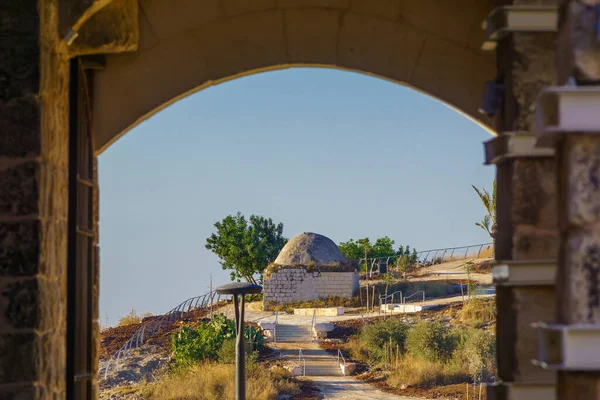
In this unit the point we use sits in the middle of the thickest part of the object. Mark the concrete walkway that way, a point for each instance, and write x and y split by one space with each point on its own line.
349 388
290 319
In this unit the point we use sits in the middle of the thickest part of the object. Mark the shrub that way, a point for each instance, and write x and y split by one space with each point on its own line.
226 353
375 341
479 351
430 340
132 318
208 340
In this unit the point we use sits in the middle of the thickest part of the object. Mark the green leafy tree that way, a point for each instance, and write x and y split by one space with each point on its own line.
246 247
488 223
355 250
382 247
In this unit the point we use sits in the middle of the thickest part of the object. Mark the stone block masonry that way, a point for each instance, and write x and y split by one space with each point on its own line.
297 284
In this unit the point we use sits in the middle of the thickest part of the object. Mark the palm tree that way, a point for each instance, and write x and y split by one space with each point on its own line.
488 223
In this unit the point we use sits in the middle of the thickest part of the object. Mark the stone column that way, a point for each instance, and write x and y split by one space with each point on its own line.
527 232
579 268
33 201
526 241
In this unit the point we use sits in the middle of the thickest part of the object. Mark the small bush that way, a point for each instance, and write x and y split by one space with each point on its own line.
208 340
375 341
226 353
479 351
132 318
430 340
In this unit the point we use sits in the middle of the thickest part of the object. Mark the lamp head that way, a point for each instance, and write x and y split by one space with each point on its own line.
242 288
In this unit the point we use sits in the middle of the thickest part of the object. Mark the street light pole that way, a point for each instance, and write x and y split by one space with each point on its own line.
241 289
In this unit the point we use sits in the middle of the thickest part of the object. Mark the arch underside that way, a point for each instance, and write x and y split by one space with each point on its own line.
431 46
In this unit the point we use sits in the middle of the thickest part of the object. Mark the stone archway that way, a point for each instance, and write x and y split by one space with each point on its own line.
152 55
430 46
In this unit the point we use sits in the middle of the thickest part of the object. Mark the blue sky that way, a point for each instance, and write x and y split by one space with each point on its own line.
333 152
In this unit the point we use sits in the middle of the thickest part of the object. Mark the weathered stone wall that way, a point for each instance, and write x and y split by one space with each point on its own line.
297 284
34 77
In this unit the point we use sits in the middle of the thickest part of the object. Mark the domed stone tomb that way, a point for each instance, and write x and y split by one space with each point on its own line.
310 266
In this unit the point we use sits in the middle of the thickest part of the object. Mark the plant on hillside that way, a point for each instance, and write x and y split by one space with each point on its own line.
132 318
371 343
430 340
246 247
207 341
488 223
407 262
476 350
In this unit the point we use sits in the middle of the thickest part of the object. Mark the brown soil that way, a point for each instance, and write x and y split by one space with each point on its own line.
308 391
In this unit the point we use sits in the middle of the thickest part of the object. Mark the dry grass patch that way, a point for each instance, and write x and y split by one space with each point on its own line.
416 371
478 311
212 381
132 318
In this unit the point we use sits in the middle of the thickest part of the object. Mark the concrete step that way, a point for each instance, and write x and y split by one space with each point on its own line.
293 333
323 369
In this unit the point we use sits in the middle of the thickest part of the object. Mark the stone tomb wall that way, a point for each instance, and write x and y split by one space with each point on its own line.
297 284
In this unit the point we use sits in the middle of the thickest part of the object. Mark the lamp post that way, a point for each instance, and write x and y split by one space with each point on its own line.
241 289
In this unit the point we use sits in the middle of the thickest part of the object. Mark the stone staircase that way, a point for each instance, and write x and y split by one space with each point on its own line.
294 333
329 367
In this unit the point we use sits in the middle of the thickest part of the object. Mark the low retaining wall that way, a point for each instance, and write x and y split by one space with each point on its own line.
320 312
297 284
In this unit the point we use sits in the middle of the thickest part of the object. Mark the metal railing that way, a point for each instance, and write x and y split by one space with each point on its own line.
384 299
431 257
302 361
341 361
156 325
275 326
312 324
413 295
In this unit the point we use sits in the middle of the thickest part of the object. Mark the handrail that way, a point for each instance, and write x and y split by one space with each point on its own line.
392 295
302 360
313 323
275 326
414 294
341 356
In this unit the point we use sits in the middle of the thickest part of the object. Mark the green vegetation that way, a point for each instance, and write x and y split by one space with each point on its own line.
382 247
132 318
246 247
488 223
430 340
203 367
428 353
211 341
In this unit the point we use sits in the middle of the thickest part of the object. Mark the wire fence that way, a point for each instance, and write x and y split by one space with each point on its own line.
155 326
431 257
